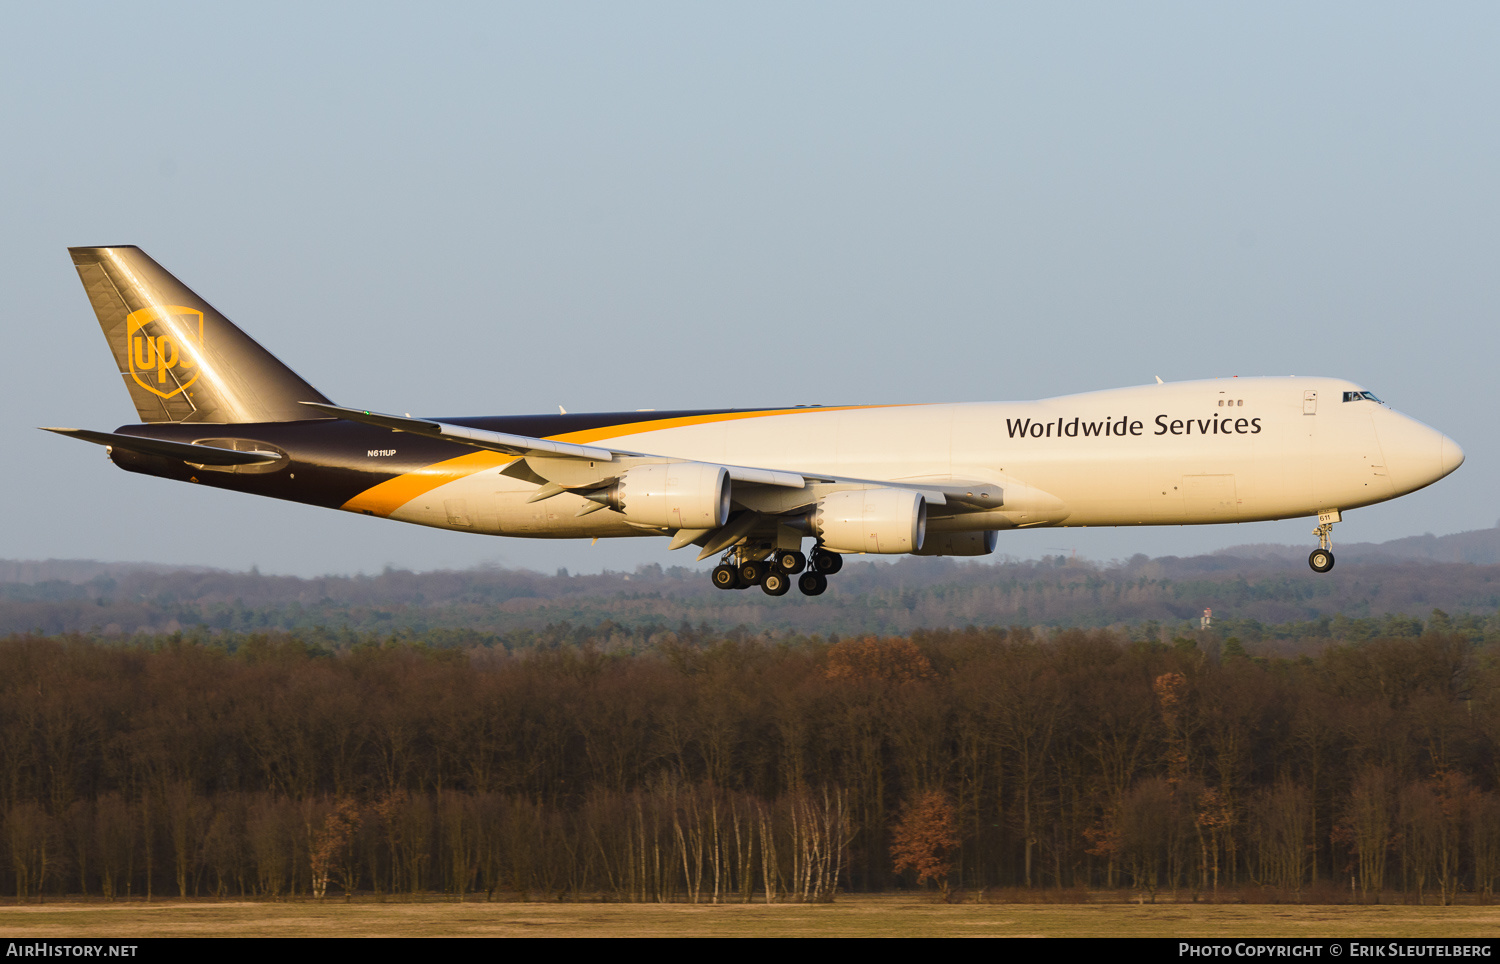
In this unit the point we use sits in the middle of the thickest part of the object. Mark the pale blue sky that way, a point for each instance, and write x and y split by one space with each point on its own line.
498 208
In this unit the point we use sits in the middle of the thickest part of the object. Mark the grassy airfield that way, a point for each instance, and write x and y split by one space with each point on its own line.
849 916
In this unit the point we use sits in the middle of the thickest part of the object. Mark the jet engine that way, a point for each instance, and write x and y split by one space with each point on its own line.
959 543
872 520
673 495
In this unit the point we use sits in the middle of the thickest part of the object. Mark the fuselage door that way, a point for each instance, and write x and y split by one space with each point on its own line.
1309 403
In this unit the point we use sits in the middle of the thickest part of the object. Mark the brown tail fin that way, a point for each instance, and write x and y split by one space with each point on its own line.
181 360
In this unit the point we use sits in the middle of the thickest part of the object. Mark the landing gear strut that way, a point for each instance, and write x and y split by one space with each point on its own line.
1321 558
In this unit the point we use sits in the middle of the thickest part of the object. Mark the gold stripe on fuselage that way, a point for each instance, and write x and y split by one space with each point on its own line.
392 494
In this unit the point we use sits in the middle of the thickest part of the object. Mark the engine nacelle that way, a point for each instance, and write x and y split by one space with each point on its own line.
674 495
959 543
872 520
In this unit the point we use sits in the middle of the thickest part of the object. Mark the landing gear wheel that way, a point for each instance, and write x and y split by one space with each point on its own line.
827 562
726 577
790 563
1321 560
775 583
812 583
751 573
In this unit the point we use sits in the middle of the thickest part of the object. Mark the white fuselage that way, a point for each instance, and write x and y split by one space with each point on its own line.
1222 450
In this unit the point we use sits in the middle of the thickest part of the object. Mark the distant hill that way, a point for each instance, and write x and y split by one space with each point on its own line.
1479 546
1248 586
80 570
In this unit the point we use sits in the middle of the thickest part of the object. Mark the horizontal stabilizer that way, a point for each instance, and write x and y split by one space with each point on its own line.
186 451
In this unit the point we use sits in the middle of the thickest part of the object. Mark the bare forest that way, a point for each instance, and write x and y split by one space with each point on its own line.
704 765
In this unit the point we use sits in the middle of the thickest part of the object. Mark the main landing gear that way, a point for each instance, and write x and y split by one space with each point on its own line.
774 572
1321 558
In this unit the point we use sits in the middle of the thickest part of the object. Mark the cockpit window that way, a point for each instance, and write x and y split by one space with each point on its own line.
1361 397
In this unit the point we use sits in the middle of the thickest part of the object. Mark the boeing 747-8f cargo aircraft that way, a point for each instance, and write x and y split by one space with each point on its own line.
749 484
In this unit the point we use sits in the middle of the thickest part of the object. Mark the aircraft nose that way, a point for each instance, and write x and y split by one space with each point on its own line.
1415 454
1452 456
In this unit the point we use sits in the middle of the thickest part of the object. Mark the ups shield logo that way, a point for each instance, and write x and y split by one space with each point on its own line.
163 343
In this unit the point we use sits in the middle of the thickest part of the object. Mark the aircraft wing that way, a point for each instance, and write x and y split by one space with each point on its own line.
524 446
958 495
519 445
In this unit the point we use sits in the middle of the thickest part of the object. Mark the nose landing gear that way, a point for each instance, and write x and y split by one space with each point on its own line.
1321 558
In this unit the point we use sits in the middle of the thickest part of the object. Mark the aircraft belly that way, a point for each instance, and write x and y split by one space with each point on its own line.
493 504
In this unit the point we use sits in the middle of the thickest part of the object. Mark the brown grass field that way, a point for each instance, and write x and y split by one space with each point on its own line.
849 916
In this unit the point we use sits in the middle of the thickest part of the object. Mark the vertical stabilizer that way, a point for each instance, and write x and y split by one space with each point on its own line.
181 360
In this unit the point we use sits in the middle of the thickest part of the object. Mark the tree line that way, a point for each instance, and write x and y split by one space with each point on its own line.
1272 597
695 765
